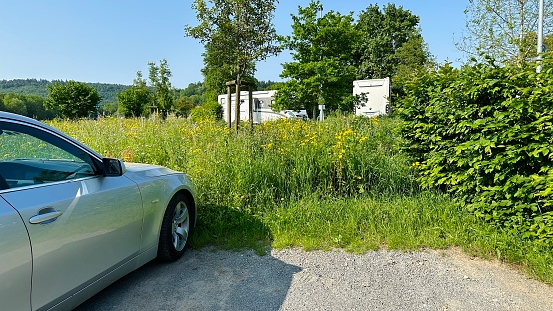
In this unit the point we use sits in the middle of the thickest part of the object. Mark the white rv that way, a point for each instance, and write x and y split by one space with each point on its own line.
262 111
377 94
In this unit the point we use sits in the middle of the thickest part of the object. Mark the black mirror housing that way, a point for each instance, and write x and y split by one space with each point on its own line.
113 167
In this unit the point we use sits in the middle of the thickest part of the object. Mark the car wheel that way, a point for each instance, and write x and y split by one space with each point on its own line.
175 229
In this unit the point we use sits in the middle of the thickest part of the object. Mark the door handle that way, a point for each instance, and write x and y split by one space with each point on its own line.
46 217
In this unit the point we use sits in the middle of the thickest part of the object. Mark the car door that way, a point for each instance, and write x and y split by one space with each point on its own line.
15 260
81 224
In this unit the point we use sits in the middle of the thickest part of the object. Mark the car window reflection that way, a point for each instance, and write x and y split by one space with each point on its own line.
27 160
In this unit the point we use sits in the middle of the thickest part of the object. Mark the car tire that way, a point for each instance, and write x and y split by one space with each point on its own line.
175 228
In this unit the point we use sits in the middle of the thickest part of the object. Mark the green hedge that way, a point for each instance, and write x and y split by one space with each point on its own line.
484 133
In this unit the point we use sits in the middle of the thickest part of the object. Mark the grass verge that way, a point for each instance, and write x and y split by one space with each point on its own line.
425 220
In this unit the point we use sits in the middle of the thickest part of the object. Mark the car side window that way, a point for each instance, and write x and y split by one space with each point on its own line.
28 159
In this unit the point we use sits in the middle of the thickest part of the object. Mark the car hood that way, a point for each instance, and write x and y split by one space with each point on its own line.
147 170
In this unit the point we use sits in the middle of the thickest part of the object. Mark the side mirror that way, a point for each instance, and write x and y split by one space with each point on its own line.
113 167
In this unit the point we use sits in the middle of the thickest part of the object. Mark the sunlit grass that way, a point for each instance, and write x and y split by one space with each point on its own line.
279 161
341 183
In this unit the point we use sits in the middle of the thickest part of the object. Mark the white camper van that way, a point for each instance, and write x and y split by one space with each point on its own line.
377 97
262 101
262 111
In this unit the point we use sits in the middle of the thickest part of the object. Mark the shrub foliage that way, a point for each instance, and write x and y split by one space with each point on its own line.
484 133
209 111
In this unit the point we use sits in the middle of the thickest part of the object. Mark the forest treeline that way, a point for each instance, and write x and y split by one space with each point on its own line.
38 87
27 96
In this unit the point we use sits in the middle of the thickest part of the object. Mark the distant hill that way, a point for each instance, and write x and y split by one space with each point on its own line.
38 87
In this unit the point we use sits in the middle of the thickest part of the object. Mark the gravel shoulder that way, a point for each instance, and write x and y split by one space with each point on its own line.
292 279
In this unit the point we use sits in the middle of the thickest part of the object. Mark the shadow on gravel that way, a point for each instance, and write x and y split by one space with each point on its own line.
203 279
206 278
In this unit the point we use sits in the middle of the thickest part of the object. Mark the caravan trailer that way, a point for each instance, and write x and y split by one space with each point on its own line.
262 111
262 101
377 97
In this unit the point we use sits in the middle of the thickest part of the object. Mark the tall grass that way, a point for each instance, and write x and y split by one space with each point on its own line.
280 161
341 183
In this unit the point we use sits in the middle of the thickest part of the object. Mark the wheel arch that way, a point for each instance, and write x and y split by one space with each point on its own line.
173 239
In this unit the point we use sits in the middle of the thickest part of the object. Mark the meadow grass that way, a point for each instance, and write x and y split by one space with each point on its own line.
341 183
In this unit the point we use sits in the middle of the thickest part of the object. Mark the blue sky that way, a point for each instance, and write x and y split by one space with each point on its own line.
108 41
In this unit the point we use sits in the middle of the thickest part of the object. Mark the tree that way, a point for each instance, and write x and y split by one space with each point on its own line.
35 107
388 39
237 33
183 106
216 71
108 109
265 85
133 101
410 65
14 104
159 80
27 105
192 89
72 100
322 70
504 30
219 69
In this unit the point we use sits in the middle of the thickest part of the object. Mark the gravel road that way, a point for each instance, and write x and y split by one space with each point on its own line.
292 279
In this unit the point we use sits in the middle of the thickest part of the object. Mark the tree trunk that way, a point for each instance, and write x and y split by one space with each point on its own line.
237 106
229 112
250 106
521 52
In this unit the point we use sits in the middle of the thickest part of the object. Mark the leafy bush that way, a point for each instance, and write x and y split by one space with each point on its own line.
208 111
73 99
484 133
133 102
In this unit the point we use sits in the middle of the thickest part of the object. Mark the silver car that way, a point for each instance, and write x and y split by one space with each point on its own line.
72 222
